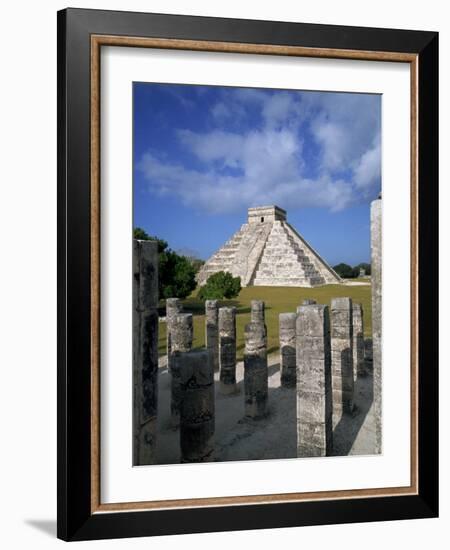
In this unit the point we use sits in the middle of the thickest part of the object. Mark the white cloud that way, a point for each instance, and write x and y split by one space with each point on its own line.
220 111
334 144
213 146
267 161
367 171
214 192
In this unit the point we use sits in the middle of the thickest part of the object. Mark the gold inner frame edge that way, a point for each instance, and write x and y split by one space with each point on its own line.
97 41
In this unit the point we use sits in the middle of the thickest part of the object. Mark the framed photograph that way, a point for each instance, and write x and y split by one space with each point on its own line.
247 252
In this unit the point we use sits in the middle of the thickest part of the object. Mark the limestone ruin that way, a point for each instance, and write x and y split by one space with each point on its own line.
314 382
145 351
320 395
268 251
256 374
376 270
197 403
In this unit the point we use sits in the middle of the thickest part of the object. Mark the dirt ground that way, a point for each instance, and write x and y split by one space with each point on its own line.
275 436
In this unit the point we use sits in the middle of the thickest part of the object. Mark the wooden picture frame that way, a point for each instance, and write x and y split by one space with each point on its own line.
81 35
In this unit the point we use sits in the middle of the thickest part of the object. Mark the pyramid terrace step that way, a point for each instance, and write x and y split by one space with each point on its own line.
269 253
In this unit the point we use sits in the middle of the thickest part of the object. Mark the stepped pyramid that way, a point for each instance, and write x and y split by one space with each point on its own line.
267 251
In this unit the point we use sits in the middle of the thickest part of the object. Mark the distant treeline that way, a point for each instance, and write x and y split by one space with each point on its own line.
348 272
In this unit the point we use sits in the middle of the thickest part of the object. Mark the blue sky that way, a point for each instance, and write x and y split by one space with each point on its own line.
204 154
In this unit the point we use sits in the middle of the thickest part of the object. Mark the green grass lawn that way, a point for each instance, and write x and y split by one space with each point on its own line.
278 300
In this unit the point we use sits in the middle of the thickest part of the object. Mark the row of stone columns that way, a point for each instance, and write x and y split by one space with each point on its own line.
220 335
319 362
221 345
329 355
322 362
321 358
192 372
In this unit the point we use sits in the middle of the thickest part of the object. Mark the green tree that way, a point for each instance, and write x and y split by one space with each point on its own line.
220 285
176 274
142 235
344 270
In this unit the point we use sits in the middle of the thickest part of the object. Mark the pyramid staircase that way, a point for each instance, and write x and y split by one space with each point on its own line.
223 259
284 261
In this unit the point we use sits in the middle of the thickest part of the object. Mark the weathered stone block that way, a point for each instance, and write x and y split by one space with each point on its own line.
173 308
197 406
181 342
145 351
342 356
257 311
314 394
376 278
309 323
255 370
317 404
313 345
148 274
212 331
227 350
368 355
358 341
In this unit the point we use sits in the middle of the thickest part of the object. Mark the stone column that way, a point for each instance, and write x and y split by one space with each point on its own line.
227 350
257 311
376 276
314 393
358 341
256 374
145 351
288 363
173 307
197 406
181 338
306 303
368 355
212 332
342 356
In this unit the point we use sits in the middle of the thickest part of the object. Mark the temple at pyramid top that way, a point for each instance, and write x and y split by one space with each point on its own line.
268 251
262 214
